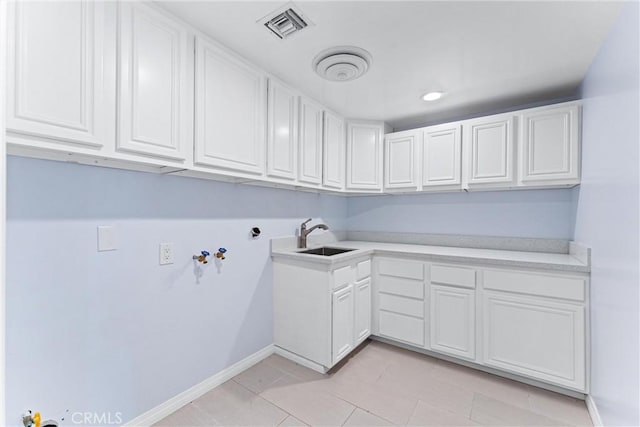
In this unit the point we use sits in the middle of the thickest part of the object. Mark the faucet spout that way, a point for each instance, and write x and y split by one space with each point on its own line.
304 232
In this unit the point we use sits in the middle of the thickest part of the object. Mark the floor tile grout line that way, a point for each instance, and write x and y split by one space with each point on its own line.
352 412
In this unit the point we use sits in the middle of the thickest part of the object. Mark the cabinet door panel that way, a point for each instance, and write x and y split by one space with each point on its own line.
400 161
334 151
364 156
343 323
363 310
153 83
282 142
537 338
56 84
489 150
549 145
310 137
230 111
441 156
453 321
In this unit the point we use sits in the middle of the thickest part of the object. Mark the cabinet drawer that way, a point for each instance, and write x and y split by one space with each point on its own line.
571 288
363 269
399 286
401 268
342 277
404 328
400 305
457 276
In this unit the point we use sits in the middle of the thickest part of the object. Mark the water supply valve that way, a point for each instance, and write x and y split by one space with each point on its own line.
220 253
202 257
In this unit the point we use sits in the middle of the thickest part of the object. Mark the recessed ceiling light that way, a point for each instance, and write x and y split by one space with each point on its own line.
432 96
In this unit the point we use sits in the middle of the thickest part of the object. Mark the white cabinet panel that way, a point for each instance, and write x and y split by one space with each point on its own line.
229 111
441 150
534 337
452 320
364 156
282 138
549 145
310 142
334 151
489 154
154 83
362 310
342 323
56 84
400 166
404 328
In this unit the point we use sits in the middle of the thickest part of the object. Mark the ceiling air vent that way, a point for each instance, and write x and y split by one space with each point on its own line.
286 23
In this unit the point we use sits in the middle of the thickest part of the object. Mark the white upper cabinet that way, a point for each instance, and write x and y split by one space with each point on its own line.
549 146
400 160
364 156
155 87
55 71
489 151
282 138
310 142
441 148
230 111
334 152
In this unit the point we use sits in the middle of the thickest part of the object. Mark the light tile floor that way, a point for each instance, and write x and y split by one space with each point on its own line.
380 385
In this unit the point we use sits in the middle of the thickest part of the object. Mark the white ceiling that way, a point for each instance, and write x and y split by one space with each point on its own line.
486 55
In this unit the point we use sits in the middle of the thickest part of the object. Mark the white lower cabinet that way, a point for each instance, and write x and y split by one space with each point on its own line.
528 323
535 337
320 319
452 321
362 310
400 300
342 317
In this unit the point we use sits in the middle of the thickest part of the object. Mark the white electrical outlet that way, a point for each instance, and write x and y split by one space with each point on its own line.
107 238
166 253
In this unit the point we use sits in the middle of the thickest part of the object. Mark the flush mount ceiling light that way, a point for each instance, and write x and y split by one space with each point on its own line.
432 96
342 63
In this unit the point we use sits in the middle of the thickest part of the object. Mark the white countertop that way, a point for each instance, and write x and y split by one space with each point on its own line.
539 260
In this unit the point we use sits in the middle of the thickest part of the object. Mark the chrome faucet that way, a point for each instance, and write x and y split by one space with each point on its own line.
302 238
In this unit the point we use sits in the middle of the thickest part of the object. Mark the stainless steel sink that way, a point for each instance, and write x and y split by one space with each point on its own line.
326 251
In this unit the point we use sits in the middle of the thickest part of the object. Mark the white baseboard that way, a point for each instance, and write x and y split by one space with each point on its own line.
593 412
161 411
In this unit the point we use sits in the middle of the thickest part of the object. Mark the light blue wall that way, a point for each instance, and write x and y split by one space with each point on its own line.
114 331
521 213
607 215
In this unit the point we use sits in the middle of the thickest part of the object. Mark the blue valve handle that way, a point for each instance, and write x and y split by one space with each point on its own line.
222 250
205 253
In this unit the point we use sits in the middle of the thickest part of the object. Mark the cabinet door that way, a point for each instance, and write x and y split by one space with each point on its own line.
230 111
282 138
310 142
549 145
342 323
334 151
55 71
363 310
400 171
154 83
441 156
453 321
534 337
489 151
364 156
